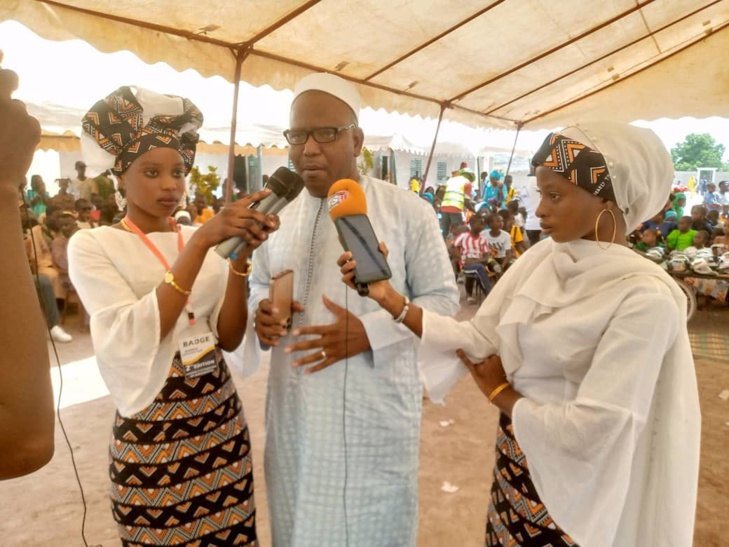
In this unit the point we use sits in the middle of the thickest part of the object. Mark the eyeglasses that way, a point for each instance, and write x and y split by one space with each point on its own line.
321 135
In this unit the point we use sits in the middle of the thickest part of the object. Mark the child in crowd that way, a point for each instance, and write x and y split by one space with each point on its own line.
649 240
59 246
454 230
698 219
713 217
516 214
499 240
701 239
682 237
474 255
83 209
518 245
669 224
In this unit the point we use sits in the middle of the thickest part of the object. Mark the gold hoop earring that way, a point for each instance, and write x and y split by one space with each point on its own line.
615 229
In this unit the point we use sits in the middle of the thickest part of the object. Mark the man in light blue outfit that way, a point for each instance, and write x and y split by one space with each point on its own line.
341 455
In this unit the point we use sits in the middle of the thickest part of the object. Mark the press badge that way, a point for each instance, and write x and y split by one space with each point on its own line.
197 354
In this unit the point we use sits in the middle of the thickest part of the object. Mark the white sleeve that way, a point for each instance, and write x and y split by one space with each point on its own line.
580 453
429 279
246 360
439 366
125 329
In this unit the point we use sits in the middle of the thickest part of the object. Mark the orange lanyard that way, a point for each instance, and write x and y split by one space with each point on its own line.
156 252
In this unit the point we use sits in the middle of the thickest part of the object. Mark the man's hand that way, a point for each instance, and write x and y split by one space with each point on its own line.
344 338
19 133
269 325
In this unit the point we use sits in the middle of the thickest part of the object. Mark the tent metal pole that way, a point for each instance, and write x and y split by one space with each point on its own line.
240 56
513 148
432 147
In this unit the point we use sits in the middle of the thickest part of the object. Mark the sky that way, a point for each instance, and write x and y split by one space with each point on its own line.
72 75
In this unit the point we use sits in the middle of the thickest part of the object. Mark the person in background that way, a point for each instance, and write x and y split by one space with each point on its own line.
203 212
64 199
699 220
472 251
345 369
510 193
182 218
83 214
38 196
649 240
218 204
682 237
59 247
678 203
493 195
702 239
457 192
499 240
584 349
40 254
712 198
518 245
669 223
83 187
27 416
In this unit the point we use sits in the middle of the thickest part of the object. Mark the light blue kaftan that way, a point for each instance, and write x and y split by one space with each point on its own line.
371 404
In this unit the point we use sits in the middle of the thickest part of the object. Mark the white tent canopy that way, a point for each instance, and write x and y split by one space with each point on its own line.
504 63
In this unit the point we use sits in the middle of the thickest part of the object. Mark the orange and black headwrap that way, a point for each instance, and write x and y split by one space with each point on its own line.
581 165
117 124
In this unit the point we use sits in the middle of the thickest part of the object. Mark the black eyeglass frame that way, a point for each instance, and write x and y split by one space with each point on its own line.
312 133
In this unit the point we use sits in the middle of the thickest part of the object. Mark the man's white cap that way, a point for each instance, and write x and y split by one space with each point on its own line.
333 85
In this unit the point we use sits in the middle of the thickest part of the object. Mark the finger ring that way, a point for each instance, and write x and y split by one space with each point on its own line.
323 354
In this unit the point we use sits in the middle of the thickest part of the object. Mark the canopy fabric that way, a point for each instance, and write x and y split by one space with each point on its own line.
531 63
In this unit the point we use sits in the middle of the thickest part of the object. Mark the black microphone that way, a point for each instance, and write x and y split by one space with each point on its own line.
285 185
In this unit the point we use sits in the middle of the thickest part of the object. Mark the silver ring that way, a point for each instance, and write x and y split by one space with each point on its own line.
323 354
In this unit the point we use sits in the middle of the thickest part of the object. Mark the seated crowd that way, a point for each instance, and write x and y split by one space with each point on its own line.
49 222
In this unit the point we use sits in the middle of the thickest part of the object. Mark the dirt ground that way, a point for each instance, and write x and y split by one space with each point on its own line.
46 509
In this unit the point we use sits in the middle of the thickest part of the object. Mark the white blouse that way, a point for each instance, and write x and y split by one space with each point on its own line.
116 275
596 342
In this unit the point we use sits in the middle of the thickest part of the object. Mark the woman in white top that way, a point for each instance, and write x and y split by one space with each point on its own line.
162 308
583 347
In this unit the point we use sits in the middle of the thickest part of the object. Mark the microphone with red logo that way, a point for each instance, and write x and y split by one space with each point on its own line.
348 209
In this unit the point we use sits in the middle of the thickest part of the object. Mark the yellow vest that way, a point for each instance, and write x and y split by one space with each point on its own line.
454 196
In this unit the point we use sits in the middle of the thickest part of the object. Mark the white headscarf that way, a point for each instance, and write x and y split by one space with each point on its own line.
641 169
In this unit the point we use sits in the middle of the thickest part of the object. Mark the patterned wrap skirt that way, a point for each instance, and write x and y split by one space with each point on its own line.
181 469
516 516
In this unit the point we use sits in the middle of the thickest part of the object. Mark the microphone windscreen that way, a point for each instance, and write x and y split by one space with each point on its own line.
346 198
282 180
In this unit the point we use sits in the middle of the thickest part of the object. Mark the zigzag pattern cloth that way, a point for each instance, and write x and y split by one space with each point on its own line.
516 516
117 124
181 469
581 165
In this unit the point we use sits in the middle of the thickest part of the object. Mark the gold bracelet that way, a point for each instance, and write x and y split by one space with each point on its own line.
170 280
249 267
498 390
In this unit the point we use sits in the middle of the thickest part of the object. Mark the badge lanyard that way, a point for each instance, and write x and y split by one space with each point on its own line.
126 221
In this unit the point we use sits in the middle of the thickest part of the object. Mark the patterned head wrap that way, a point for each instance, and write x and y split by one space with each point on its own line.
578 163
623 163
125 125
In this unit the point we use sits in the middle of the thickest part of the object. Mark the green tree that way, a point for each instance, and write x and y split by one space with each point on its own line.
204 184
697 150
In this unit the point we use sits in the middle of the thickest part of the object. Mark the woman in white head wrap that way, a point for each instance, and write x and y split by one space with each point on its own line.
583 347
163 307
